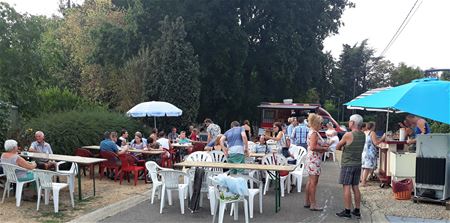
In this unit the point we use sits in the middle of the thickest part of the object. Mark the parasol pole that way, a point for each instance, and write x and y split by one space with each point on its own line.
387 120
154 121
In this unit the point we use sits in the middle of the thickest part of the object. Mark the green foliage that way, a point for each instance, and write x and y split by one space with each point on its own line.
174 71
21 71
404 74
66 131
331 107
54 99
437 127
5 122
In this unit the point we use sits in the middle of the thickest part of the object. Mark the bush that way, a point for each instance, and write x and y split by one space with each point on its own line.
54 99
66 131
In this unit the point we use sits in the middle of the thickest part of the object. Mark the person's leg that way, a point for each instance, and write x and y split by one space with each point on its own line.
357 195
307 201
312 192
347 197
364 176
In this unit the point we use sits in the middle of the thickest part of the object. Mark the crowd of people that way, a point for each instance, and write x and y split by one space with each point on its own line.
358 146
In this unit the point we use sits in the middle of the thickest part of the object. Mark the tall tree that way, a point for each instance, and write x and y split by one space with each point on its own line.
174 71
404 74
21 71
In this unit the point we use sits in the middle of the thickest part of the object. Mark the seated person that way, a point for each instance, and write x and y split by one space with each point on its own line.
261 146
332 140
138 142
40 146
122 140
108 144
164 143
139 134
10 156
194 134
183 140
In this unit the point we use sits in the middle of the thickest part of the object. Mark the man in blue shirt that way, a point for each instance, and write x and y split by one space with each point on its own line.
237 145
299 135
108 144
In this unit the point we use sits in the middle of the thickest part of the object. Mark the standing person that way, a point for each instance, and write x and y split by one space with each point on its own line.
369 154
173 135
122 140
421 127
213 131
300 134
248 129
291 126
352 146
237 143
41 146
316 148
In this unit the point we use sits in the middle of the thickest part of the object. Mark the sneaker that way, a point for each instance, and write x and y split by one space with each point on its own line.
356 214
344 214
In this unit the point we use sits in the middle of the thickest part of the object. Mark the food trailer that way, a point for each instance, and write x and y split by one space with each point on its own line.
279 112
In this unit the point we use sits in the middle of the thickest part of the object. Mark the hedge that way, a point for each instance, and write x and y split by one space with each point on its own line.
66 131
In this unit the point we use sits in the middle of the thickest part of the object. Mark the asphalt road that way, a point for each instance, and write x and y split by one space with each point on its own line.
329 196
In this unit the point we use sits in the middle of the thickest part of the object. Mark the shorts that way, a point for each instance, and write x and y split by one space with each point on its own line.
350 175
236 158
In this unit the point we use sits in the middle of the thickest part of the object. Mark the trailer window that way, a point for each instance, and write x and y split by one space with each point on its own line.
268 116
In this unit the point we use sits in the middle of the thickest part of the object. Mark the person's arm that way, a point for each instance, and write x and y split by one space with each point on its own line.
32 148
375 139
50 149
222 144
244 138
315 145
23 163
278 138
343 142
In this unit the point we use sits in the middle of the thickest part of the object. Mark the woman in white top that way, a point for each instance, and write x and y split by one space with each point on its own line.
279 137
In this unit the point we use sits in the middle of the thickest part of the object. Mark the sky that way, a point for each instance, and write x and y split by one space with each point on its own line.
424 42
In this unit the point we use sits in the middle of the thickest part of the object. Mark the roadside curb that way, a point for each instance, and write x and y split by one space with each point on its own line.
113 209
371 215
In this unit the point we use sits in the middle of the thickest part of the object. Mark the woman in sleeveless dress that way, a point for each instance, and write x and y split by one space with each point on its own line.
369 154
316 148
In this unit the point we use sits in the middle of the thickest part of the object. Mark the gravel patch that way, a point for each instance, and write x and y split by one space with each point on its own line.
382 200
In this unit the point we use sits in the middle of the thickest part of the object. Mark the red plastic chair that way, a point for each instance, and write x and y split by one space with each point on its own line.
198 146
112 163
129 166
168 161
86 153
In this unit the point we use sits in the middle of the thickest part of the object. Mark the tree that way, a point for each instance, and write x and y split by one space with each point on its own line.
174 71
404 74
21 70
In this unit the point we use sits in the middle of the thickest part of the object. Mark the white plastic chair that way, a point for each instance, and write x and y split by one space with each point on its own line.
217 157
326 154
153 168
44 181
170 181
222 204
71 173
297 174
251 195
11 177
274 159
199 156
1 184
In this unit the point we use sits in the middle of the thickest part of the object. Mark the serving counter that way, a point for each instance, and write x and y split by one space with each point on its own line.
395 161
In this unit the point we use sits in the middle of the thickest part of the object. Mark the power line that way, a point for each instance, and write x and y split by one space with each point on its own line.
402 26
